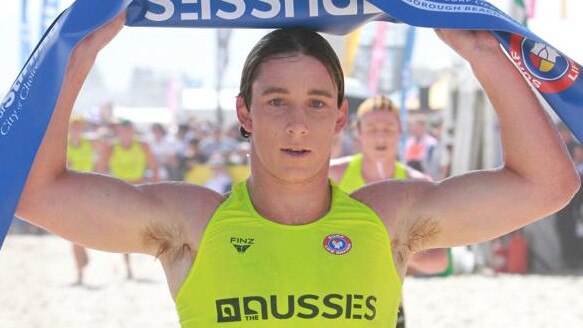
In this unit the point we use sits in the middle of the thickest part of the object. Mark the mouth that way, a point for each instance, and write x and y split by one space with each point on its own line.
295 152
381 148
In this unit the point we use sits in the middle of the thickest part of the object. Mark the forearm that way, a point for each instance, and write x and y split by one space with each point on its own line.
51 159
432 261
532 147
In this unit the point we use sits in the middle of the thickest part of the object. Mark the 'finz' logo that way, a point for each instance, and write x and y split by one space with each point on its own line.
337 244
242 244
546 68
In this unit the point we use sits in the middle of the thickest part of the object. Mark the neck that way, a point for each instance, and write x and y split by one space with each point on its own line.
289 202
75 140
375 170
126 143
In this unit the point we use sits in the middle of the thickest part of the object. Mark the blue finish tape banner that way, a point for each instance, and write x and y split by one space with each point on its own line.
27 108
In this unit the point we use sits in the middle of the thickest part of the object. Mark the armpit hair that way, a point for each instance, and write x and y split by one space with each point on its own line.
412 239
168 240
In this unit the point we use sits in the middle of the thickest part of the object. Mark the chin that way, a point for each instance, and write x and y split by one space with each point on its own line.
299 176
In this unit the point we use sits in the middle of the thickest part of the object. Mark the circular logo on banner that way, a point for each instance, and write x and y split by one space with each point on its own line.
337 244
546 68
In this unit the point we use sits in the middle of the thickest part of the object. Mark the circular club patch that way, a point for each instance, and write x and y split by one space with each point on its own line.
337 244
546 68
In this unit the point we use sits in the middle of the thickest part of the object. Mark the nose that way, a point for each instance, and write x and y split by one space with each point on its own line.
297 123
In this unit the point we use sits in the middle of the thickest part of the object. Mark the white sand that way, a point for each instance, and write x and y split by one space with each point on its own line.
36 276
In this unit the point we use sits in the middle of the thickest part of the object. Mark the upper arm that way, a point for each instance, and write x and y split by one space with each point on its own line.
104 213
460 210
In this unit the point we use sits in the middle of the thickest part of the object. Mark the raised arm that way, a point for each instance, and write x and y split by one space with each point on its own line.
537 177
95 210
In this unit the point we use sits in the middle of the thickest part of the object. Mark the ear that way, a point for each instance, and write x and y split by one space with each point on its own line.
342 116
243 114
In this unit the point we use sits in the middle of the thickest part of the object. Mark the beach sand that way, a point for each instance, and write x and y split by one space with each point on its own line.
37 276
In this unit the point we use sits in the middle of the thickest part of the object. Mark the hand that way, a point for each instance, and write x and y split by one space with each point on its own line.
97 40
469 44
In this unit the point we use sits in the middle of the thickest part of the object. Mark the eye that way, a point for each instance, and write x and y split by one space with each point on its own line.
276 102
318 104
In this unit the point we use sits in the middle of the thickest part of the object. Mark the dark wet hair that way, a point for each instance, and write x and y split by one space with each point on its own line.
289 42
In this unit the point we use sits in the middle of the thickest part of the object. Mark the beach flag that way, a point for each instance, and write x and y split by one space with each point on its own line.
519 12
26 109
406 81
378 56
564 9
49 10
25 38
350 50
531 9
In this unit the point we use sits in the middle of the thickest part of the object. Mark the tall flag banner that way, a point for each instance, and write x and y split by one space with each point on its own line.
49 10
564 9
223 41
27 108
406 81
25 38
377 57
350 50
531 9
519 12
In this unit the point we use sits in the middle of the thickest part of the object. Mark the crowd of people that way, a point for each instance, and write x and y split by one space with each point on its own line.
203 153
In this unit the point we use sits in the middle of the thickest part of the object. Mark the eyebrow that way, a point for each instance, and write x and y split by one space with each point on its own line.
323 93
313 92
273 90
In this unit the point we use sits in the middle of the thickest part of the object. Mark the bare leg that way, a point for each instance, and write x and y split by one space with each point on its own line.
81 261
130 275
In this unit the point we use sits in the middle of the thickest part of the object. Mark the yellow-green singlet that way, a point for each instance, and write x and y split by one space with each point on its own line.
353 179
128 164
337 271
82 157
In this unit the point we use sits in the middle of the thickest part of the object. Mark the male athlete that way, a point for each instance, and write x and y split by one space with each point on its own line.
128 159
285 248
378 130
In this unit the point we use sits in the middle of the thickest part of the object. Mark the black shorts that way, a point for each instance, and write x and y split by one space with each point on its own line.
401 317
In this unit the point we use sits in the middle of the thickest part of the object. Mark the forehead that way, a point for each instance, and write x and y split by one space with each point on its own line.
294 71
375 117
77 124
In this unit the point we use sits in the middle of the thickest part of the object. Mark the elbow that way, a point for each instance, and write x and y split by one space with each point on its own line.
563 190
430 262
35 194
569 185
440 261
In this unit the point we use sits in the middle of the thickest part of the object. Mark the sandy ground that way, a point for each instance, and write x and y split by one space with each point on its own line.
37 275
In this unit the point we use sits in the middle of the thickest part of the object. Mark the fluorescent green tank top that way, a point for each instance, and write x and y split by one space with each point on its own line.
81 158
128 164
352 178
253 272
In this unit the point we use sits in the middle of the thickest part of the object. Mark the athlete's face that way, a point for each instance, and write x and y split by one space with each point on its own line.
76 130
293 117
125 133
378 134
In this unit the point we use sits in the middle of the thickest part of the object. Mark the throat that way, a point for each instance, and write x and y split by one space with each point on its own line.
377 170
292 206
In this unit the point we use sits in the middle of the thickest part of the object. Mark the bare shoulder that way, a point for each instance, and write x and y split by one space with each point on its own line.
392 199
186 208
393 202
338 167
